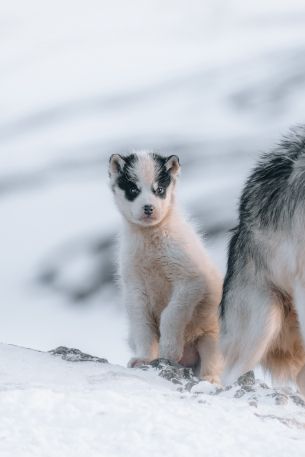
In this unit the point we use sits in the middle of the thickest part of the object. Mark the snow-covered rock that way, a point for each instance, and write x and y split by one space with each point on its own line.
65 403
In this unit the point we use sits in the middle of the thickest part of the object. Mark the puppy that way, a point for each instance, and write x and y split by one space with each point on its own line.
171 288
263 304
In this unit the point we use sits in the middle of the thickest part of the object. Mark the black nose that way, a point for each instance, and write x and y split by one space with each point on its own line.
148 210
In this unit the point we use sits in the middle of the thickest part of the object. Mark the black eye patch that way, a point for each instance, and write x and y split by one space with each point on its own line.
163 178
160 191
124 180
130 188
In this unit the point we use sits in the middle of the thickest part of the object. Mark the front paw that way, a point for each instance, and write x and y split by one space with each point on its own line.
212 379
171 350
137 362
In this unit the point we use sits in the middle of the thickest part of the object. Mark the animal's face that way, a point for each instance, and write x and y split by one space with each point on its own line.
143 185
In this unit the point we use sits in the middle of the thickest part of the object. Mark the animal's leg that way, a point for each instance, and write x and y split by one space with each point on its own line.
175 317
250 323
299 301
143 338
301 381
190 356
210 358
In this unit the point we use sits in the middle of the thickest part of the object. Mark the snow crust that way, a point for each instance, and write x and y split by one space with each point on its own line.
53 407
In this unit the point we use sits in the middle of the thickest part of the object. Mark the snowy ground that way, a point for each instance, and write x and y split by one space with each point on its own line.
53 407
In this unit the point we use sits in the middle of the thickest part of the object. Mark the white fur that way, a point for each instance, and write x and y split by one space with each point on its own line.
271 328
167 277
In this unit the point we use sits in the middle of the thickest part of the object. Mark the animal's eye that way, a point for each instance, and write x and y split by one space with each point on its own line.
134 190
160 190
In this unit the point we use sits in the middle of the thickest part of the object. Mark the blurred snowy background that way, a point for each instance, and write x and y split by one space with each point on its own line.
213 81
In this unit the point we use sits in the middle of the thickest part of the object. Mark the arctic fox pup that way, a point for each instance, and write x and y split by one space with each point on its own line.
171 288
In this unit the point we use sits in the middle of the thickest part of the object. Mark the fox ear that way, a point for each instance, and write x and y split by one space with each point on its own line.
173 165
116 164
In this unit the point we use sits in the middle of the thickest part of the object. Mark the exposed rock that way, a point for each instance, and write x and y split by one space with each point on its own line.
280 398
285 421
75 355
298 400
173 372
263 385
252 391
239 393
248 379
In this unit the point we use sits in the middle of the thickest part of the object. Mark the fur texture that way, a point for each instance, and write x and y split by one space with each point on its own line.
171 288
263 304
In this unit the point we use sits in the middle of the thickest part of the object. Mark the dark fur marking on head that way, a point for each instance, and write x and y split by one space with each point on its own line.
163 177
126 181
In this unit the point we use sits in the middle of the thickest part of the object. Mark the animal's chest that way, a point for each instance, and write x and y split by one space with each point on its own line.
153 271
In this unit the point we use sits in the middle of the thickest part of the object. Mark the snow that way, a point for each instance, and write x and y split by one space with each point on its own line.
213 81
58 408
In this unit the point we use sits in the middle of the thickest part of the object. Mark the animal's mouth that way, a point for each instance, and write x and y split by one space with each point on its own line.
148 219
